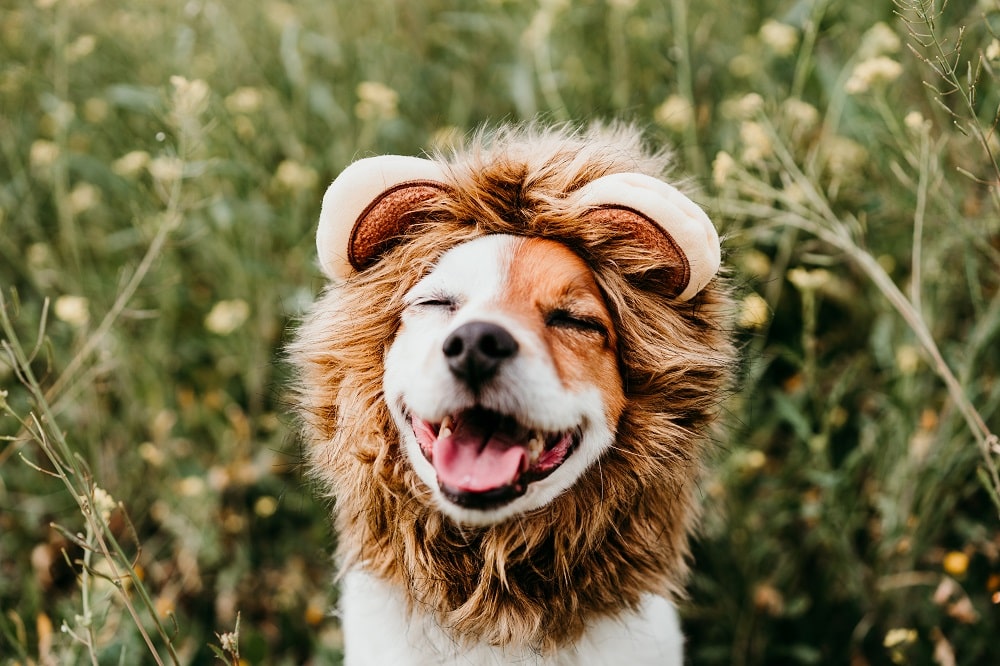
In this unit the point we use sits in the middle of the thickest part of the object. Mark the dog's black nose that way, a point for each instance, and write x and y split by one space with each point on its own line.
475 351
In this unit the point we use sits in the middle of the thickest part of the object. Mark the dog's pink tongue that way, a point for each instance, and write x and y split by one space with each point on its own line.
475 460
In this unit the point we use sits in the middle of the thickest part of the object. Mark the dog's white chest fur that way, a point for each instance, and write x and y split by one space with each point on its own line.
382 632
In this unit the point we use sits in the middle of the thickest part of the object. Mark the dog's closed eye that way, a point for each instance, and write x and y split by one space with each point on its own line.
563 318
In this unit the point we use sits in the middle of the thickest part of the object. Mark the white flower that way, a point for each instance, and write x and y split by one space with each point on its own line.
166 168
915 122
295 177
806 280
779 37
104 503
873 73
130 164
74 310
803 114
190 97
226 316
43 154
376 100
675 113
722 167
993 50
878 40
756 142
754 312
844 157
83 197
245 100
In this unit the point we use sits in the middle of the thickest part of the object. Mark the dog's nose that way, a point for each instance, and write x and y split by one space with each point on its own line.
475 351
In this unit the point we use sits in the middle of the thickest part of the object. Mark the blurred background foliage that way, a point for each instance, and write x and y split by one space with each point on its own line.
161 167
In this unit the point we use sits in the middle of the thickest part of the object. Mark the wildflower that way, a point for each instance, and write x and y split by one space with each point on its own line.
802 114
83 197
878 40
844 157
190 98
806 280
80 48
915 122
191 486
722 167
907 359
74 310
779 37
152 454
872 73
898 637
956 563
95 110
104 503
755 263
376 101
229 642
675 113
753 312
295 177
43 154
226 316
166 168
993 50
265 506
244 100
756 142
745 107
130 164
743 65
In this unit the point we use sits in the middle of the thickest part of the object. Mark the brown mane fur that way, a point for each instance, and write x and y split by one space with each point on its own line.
622 529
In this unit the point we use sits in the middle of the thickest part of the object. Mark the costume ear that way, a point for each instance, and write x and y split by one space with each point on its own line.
369 205
662 218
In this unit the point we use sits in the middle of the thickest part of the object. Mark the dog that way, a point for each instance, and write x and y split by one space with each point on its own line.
506 389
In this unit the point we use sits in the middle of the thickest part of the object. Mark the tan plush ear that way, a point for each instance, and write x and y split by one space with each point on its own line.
660 217
369 205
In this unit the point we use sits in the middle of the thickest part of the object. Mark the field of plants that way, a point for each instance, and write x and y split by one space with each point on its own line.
161 169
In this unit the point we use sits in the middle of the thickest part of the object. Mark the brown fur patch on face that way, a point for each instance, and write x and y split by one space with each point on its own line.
553 292
622 530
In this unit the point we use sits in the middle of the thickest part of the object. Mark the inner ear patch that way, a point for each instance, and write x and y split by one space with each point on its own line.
661 217
386 219
370 205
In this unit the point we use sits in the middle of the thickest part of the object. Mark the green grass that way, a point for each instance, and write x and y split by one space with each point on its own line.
161 167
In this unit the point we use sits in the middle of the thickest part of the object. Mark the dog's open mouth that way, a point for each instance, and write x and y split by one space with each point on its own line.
484 459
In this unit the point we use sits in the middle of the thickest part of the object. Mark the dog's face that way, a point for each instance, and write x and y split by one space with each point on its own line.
503 379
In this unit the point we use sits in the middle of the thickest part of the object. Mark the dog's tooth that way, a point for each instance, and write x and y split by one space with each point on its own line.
535 446
445 431
446 423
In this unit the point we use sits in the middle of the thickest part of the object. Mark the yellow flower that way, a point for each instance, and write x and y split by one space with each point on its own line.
757 143
956 563
226 316
897 637
43 154
244 100
295 177
878 40
675 113
872 73
83 197
166 168
130 164
753 312
376 100
993 50
722 167
779 37
74 310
